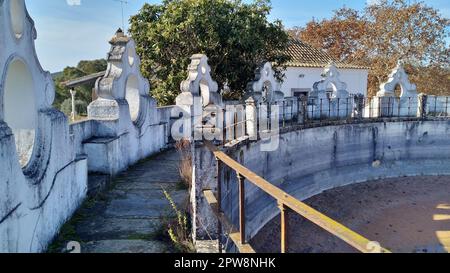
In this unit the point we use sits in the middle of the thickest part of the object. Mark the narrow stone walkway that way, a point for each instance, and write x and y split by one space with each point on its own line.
132 215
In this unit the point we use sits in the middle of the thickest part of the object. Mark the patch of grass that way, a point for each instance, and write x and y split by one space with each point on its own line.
181 186
161 233
90 203
78 118
68 231
143 237
66 234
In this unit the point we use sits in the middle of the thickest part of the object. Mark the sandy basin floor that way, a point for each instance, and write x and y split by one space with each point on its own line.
402 214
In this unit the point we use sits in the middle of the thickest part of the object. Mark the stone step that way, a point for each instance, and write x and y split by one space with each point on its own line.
97 183
158 177
101 228
171 155
149 186
138 203
124 246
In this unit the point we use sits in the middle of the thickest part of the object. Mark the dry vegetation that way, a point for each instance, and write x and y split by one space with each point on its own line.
185 169
178 228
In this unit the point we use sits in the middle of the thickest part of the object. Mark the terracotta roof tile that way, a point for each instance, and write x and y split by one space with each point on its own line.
304 55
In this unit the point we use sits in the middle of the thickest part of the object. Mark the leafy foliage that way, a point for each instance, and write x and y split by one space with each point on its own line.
80 106
84 92
388 31
237 37
432 79
339 36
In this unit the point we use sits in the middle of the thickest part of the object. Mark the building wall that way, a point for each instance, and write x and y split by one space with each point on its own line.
356 79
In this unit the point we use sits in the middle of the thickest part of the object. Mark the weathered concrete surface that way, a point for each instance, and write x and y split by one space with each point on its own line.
311 161
403 214
125 246
42 179
204 224
131 216
44 162
129 127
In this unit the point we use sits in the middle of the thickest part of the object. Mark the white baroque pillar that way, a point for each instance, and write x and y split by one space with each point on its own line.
407 104
251 119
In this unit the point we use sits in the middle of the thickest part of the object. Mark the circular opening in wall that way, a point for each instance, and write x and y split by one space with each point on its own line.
132 96
20 109
204 70
131 54
331 87
267 90
17 15
398 91
204 92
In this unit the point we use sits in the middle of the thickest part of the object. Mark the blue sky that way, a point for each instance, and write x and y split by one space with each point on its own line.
74 30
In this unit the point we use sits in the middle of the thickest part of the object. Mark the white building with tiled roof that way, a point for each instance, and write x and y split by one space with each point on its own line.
307 65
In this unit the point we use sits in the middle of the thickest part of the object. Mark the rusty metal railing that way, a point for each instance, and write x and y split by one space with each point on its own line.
286 203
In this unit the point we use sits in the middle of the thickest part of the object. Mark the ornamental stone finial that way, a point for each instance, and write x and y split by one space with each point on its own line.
199 83
265 87
331 76
398 76
123 85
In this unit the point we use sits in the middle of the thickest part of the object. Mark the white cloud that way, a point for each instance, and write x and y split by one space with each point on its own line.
73 2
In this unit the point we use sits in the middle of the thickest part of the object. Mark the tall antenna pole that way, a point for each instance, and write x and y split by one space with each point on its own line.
122 2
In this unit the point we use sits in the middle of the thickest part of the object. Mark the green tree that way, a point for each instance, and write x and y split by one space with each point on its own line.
80 107
236 37
84 92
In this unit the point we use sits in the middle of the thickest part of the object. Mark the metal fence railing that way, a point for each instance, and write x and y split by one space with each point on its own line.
286 204
305 111
240 120
437 106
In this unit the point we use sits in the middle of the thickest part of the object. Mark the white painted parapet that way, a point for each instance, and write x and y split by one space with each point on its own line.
265 88
199 109
338 103
199 103
42 178
398 76
386 104
199 83
44 161
251 115
128 128
264 94
438 106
